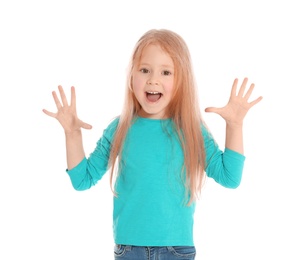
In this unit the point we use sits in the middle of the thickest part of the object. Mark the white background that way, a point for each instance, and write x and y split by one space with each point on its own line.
88 44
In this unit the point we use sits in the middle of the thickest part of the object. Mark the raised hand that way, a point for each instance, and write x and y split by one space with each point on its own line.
238 105
66 114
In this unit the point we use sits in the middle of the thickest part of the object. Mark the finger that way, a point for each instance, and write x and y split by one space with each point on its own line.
56 100
212 110
250 90
254 102
63 96
73 97
242 87
48 113
86 126
234 87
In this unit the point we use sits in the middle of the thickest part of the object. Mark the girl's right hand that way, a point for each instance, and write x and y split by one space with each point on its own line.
66 114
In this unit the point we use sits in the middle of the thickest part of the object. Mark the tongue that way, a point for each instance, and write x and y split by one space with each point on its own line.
153 97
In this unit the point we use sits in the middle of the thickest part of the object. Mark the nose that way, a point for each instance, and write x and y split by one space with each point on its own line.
152 80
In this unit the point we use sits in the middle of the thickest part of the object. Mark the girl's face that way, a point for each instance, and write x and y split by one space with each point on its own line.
153 80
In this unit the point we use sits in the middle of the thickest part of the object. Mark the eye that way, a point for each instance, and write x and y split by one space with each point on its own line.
166 73
144 70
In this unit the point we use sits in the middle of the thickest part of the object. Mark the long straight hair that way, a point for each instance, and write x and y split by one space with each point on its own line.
183 108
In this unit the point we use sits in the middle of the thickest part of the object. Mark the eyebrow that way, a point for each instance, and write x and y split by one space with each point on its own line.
162 65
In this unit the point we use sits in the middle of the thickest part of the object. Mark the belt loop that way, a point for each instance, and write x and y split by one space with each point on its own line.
169 248
128 248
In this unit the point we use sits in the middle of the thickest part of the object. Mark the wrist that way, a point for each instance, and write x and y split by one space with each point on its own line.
73 133
234 125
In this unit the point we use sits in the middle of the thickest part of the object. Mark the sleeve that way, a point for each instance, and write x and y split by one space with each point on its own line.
90 170
225 167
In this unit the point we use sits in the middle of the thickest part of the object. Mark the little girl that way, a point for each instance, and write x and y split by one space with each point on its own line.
158 151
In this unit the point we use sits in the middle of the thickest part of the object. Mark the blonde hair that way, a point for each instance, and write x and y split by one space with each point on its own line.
183 109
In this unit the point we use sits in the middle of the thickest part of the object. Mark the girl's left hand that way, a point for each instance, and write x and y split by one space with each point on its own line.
238 105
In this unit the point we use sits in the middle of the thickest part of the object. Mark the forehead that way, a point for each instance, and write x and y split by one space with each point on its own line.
154 53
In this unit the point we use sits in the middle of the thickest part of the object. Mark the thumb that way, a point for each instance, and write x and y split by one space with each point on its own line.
86 126
212 110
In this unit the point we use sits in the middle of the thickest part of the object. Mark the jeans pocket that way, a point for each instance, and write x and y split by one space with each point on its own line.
119 250
186 252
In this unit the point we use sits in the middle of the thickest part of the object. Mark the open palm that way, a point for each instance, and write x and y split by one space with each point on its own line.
238 105
66 114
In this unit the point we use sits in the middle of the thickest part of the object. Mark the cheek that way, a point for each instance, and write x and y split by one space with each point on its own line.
137 83
169 87
138 87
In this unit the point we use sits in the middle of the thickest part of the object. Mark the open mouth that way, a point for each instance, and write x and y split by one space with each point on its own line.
153 96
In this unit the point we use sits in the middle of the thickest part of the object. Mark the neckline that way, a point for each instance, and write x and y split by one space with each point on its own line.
153 119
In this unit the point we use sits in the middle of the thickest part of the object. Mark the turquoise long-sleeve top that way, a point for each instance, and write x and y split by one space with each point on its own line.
150 208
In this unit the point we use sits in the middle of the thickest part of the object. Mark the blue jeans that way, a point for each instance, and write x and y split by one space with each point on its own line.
123 252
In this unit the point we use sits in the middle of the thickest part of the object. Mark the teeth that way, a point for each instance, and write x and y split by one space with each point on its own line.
152 92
